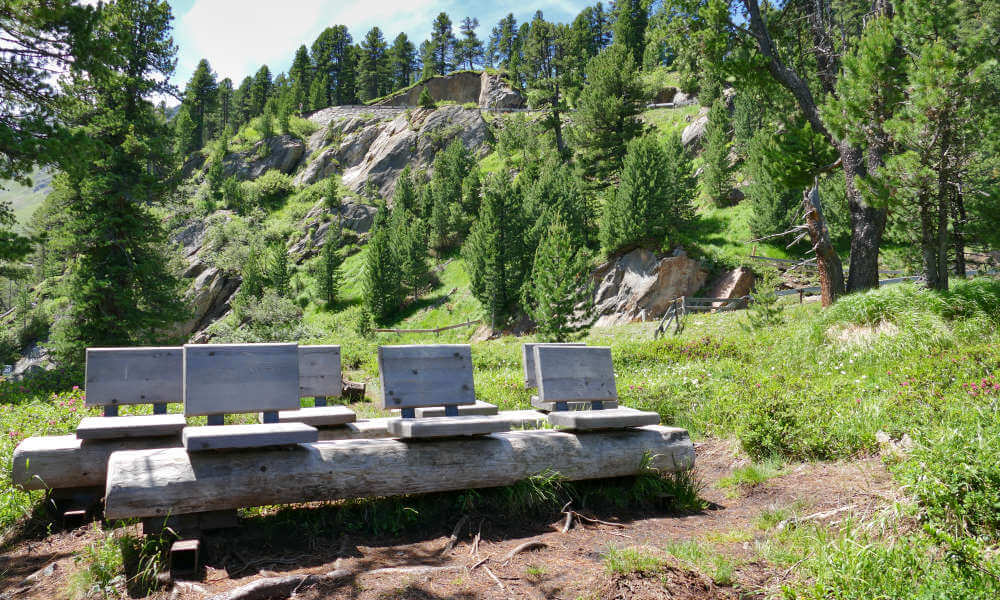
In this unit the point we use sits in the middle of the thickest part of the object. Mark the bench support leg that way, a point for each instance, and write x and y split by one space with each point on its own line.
597 405
111 410
451 410
160 409
271 416
320 401
562 405
216 419
408 413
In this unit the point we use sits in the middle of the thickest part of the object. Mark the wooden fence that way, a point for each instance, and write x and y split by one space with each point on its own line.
438 330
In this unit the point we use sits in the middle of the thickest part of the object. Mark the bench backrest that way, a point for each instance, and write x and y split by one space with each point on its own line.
575 374
425 375
319 371
224 379
528 359
118 376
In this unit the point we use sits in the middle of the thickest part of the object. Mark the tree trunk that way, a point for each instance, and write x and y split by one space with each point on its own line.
958 236
928 243
831 270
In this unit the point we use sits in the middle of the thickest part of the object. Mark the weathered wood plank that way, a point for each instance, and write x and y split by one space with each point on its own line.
550 406
528 360
319 416
240 378
319 371
593 420
109 428
228 437
479 408
425 375
568 374
151 483
439 427
118 376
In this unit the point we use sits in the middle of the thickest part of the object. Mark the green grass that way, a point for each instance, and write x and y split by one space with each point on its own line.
751 475
25 199
670 120
625 561
701 557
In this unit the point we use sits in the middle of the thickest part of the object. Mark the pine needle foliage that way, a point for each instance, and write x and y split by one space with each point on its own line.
561 286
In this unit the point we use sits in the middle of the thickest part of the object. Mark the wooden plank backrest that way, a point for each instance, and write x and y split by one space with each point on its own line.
528 360
319 371
224 379
425 375
118 376
575 374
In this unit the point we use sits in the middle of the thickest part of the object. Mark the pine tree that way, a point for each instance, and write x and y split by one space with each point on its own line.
318 92
405 194
381 283
547 66
631 18
653 199
225 117
260 90
331 277
717 176
410 239
300 74
373 66
607 116
503 44
495 255
451 166
558 194
332 197
402 61
764 310
560 286
185 134
773 202
442 44
201 98
279 275
334 57
243 104
120 289
426 100
469 49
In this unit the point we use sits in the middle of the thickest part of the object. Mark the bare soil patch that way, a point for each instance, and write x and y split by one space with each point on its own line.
562 565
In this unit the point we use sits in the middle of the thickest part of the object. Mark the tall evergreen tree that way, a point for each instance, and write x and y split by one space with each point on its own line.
653 199
260 90
300 74
279 275
330 275
607 116
631 18
201 98
451 166
561 285
442 46
547 62
121 291
469 48
402 61
495 254
717 174
334 57
503 43
373 66
243 103
225 107
381 283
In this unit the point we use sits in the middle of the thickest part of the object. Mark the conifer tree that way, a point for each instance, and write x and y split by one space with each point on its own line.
558 194
547 65
402 61
242 102
468 49
121 291
334 57
201 99
405 194
185 134
496 258
631 18
260 90
331 277
561 285
503 44
381 283
442 45
318 92
426 100
717 176
279 275
653 198
332 197
225 108
373 66
607 116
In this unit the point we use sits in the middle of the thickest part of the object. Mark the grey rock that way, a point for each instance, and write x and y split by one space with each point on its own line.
693 134
354 216
732 284
639 285
283 154
683 99
34 360
494 92
190 236
208 298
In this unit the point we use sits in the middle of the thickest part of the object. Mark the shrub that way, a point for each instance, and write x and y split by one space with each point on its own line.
270 189
426 100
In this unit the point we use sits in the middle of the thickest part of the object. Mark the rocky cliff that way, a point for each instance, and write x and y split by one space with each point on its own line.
464 87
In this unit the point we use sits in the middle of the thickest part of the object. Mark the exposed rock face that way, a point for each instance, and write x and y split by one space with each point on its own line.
486 90
34 360
665 95
682 99
639 285
733 284
354 217
380 152
495 93
692 135
283 154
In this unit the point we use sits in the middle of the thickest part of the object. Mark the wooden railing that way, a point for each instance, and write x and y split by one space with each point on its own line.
438 330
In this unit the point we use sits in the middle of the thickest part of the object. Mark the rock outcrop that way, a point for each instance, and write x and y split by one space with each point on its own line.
494 92
211 290
283 153
354 217
464 87
693 134
732 284
640 285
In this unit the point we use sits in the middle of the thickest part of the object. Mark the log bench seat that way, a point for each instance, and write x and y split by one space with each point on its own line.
136 426
260 435
437 427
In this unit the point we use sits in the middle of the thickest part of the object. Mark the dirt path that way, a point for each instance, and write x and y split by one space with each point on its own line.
563 565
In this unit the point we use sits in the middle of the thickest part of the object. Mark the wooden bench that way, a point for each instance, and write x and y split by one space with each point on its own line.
422 376
319 378
528 353
130 376
221 379
581 375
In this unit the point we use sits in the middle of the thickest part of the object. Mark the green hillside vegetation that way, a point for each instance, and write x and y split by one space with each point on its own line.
26 199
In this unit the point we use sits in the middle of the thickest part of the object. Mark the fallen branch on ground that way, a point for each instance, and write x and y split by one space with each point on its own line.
813 517
534 545
280 587
454 535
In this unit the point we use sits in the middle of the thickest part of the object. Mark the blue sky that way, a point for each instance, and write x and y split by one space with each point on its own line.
237 36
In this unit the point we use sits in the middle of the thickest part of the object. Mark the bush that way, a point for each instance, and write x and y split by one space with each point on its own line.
270 189
426 100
